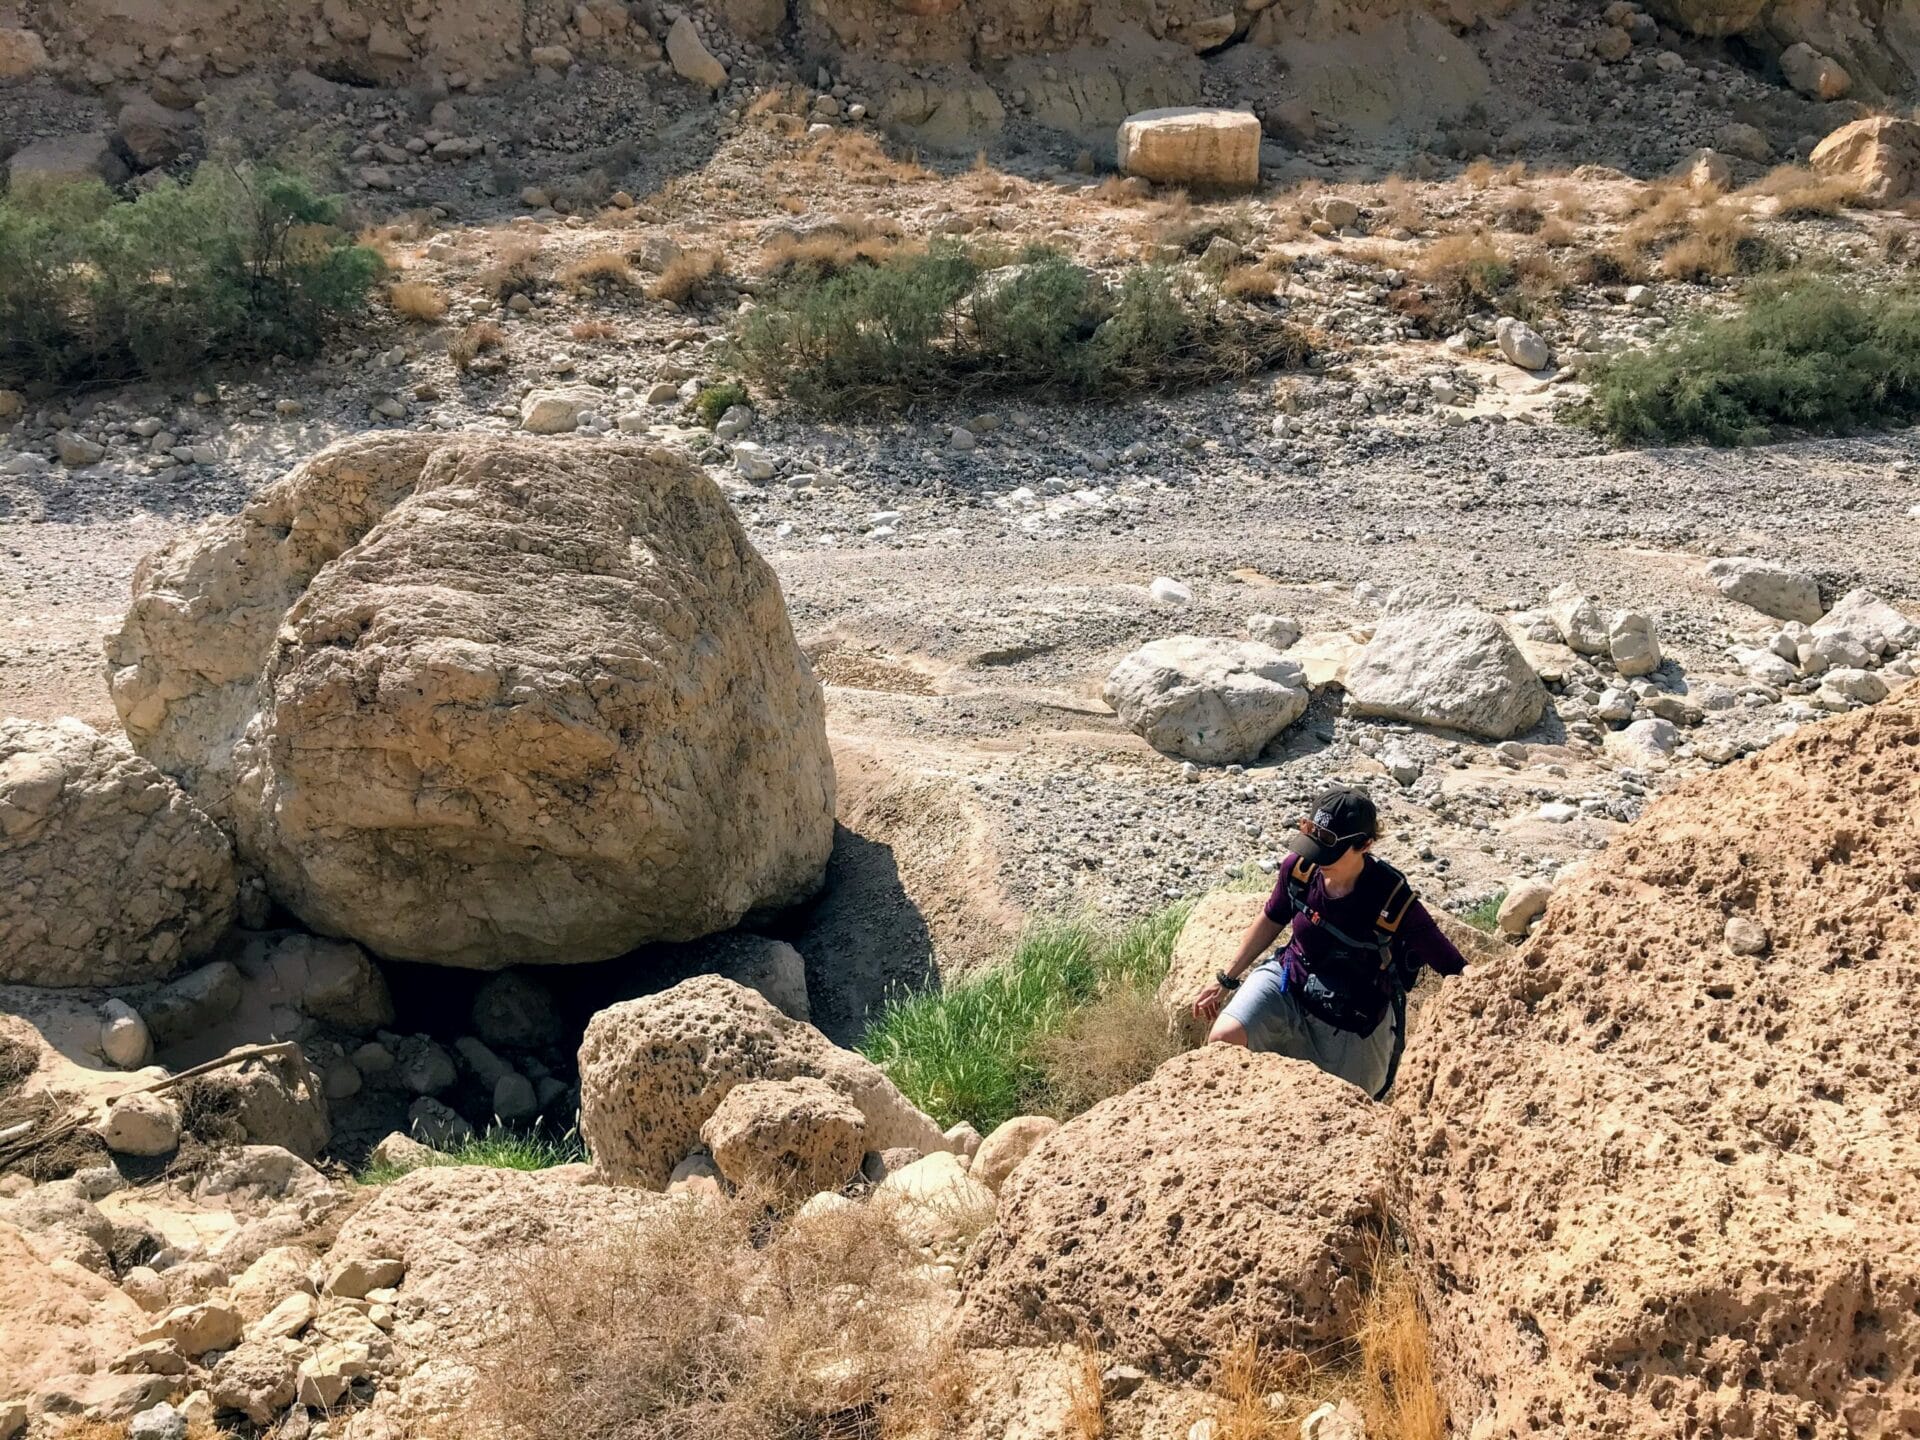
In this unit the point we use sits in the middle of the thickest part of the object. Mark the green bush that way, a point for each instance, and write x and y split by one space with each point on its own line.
233 265
940 324
1486 915
713 402
1002 1043
1809 355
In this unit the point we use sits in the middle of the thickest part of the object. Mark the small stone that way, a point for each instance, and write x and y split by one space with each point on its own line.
960 439
76 450
1747 937
142 1124
1117 1382
124 1038
1165 591
1277 631
1521 344
352 1279
162 1422
751 461
1334 1422
1633 643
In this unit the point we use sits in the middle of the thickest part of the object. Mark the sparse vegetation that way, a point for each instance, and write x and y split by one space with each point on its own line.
1013 1039
1463 275
846 241
601 273
804 1329
1800 194
939 323
236 264
1486 915
593 330
686 277
515 270
1804 355
856 156
497 1149
714 401
482 337
413 300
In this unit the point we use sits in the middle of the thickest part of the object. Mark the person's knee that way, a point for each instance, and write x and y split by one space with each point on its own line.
1227 1032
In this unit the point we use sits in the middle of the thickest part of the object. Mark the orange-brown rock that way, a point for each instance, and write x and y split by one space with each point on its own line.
1661 1188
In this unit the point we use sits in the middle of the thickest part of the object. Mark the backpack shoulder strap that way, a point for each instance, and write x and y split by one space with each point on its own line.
1396 898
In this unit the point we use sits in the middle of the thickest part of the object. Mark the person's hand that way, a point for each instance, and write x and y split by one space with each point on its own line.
1206 1005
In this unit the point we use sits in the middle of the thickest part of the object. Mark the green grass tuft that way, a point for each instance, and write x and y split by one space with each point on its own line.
1486 915
1810 355
497 1149
981 1049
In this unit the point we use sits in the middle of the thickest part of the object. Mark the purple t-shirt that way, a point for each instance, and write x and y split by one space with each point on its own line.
1310 950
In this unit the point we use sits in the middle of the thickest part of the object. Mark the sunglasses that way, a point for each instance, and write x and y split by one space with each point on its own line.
1321 835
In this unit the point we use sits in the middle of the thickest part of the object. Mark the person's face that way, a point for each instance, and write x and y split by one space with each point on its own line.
1348 866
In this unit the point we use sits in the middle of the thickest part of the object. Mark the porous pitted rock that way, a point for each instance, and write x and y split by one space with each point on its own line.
481 700
1638 1152
1771 589
1011 1142
652 1070
1880 154
256 1378
108 872
792 1137
1234 1194
141 1124
1455 668
1192 145
1216 701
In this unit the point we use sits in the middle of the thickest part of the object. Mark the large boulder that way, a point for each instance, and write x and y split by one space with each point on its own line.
481 700
1216 701
1771 589
60 1318
1233 1195
108 873
1457 668
653 1070
1880 154
1864 615
1192 145
1207 942
1657 1147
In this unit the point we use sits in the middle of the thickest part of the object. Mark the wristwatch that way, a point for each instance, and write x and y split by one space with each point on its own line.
1227 982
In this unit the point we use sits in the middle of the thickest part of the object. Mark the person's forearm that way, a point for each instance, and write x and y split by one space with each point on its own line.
1255 943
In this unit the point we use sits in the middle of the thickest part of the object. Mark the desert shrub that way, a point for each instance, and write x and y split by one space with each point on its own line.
1521 216
1462 275
18 1060
1123 191
593 330
988 1047
1250 282
846 241
856 156
713 402
515 270
413 300
498 1149
235 264
938 323
599 274
686 277
709 1320
1800 194
1806 355
482 337
1613 265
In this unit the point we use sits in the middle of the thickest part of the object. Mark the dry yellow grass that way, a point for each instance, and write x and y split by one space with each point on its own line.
1719 242
416 300
1122 191
782 1328
1800 194
1401 205
515 269
685 276
482 337
1086 1407
593 330
599 273
859 158
1558 234
1569 203
1250 282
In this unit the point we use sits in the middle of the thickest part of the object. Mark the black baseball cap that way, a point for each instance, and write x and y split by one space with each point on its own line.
1341 818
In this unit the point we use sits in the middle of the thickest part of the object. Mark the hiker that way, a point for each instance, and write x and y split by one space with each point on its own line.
1336 992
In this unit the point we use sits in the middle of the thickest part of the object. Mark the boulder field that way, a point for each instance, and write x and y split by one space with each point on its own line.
481 701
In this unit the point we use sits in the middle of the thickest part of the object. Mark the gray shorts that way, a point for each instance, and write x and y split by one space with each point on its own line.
1275 1022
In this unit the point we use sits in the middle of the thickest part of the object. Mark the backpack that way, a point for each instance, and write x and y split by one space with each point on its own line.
1328 1004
